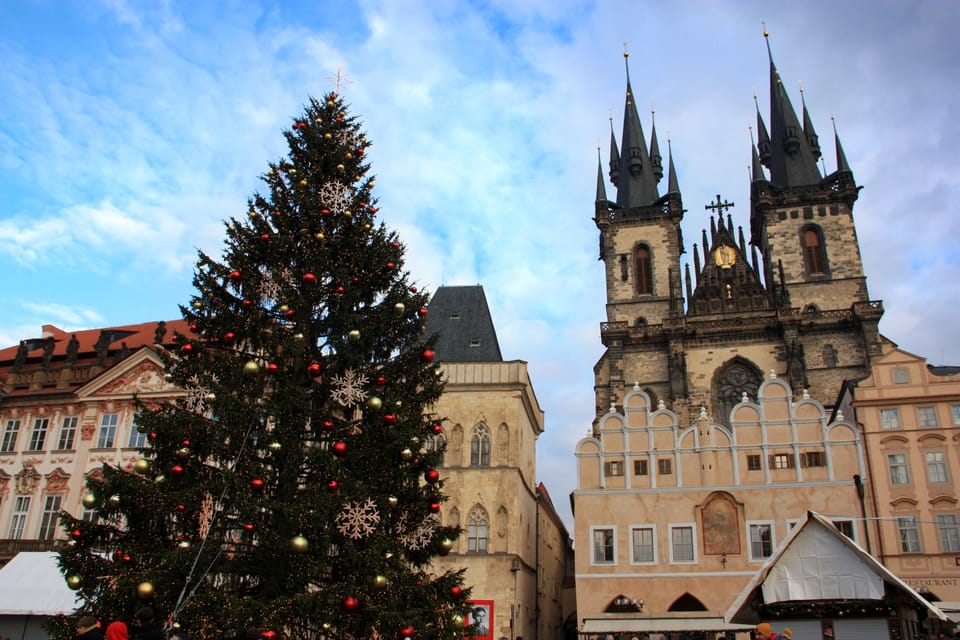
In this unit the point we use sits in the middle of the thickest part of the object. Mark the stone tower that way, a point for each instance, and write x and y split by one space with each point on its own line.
793 301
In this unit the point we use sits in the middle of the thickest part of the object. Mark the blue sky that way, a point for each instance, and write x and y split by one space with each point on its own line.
130 130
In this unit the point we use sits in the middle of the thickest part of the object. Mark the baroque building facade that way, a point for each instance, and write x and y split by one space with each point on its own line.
515 549
909 413
711 436
66 408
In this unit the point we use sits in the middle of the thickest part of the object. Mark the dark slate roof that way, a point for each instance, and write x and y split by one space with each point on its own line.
461 317
943 370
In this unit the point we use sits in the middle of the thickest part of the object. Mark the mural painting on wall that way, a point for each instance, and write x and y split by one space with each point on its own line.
721 525
481 614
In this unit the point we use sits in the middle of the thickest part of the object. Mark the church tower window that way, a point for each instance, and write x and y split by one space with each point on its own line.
478 530
644 271
813 251
480 447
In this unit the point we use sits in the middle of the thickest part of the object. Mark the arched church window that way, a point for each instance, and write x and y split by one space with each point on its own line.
644 270
480 447
730 383
478 530
829 356
814 256
436 442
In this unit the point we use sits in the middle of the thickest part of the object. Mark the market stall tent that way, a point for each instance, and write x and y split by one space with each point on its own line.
32 589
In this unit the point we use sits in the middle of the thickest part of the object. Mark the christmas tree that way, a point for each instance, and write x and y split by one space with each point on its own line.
293 487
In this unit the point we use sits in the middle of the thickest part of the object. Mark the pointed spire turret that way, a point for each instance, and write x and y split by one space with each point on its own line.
841 156
636 182
656 160
757 166
808 130
614 156
763 138
792 161
673 186
601 189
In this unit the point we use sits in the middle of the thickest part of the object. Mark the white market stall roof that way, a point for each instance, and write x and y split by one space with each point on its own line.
818 562
31 585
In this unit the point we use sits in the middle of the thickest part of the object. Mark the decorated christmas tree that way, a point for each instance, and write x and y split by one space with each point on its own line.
292 488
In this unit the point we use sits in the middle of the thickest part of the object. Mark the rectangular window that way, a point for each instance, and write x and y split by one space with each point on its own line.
814 459
138 440
926 416
936 467
642 547
613 468
681 544
664 466
38 437
89 515
897 466
51 515
603 546
846 528
68 431
901 376
640 468
890 418
761 541
955 413
949 533
909 534
108 430
781 461
10 434
753 462
19 518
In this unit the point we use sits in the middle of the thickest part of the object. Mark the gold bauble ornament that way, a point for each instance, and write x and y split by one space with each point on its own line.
379 583
298 338
304 183
399 308
145 590
284 308
406 454
292 171
184 544
197 305
142 465
183 452
168 377
160 479
457 621
253 215
319 235
373 402
354 335
446 546
393 501
89 500
348 214
74 582
274 446
340 167
299 544
210 397
415 440
115 499
251 368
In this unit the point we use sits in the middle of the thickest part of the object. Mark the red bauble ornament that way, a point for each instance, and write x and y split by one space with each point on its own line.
264 236
407 632
153 435
186 349
438 429
176 471
127 559
290 313
351 604
300 125
389 265
427 355
248 527
432 476
422 312
229 337
156 408
193 327
390 419
235 276
325 212
328 425
340 448
333 486
185 443
76 534
340 289
381 381
313 370
257 484
355 280
181 508
413 289
273 368
270 634
247 304
434 507
309 278
456 591
373 209
118 555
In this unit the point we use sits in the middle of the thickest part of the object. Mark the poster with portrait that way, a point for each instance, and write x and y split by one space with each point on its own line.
481 614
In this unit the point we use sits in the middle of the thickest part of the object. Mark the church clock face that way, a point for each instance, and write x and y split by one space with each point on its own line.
725 256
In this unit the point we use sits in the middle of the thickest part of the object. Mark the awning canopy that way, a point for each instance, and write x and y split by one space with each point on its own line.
31 585
647 624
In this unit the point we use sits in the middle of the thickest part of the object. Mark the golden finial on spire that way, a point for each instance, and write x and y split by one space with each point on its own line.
652 109
766 34
626 54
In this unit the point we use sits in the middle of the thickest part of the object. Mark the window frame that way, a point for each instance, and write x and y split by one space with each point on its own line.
908 534
643 269
641 467
887 424
137 439
634 547
781 461
601 547
925 414
49 523
681 527
613 469
664 466
814 254
38 435
948 532
844 523
480 446
758 526
754 462
107 433
18 518
478 531
11 433
901 466
937 472
68 431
